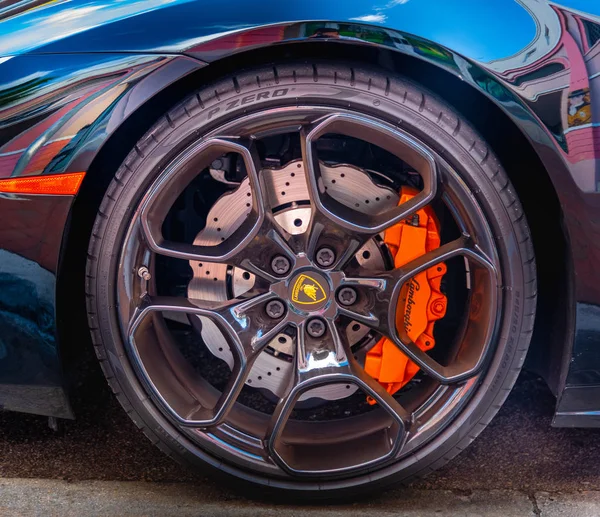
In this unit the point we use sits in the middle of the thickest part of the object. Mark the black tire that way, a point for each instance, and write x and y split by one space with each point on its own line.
390 98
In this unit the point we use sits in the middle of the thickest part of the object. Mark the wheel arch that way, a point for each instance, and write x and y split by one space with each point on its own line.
508 140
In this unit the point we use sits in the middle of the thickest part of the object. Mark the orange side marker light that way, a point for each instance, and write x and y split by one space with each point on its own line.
52 184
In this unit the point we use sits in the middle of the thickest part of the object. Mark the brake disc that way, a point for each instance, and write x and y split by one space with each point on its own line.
288 195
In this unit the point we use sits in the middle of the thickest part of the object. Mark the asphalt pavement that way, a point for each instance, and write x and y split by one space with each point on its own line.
518 455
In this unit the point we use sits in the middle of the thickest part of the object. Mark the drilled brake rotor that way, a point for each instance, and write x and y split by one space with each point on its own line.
288 195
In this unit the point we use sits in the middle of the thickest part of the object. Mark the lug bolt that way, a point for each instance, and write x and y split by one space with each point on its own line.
347 296
275 309
280 264
325 257
315 327
144 274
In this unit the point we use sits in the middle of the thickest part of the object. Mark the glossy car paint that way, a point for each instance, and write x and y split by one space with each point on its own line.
55 112
72 71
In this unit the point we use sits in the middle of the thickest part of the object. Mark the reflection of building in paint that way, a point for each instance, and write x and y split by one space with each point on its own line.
59 113
565 75
548 31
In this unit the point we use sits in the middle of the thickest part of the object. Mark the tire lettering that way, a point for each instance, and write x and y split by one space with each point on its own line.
248 99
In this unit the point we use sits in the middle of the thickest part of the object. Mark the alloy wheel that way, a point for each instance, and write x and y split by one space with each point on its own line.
269 249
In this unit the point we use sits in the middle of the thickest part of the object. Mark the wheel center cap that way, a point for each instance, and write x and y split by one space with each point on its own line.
309 291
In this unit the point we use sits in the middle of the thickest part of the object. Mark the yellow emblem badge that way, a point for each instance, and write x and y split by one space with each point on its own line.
307 291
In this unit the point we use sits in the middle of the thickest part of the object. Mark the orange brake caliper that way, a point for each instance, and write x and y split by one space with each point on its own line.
421 302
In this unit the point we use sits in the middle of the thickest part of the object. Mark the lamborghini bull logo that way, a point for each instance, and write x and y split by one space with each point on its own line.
307 291
310 290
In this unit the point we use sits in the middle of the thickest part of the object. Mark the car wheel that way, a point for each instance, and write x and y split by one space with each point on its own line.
315 278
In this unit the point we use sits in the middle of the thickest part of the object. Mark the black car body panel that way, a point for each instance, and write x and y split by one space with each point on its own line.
60 119
73 73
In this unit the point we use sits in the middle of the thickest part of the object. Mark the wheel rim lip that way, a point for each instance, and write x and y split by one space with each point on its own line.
453 404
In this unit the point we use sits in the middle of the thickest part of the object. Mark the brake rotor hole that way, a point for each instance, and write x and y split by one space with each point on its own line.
366 255
298 222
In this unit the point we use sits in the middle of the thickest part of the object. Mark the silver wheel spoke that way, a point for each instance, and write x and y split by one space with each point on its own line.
320 363
246 328
250 246
334 220
381 316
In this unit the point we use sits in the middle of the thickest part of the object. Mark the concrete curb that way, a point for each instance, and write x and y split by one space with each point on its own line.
41 497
